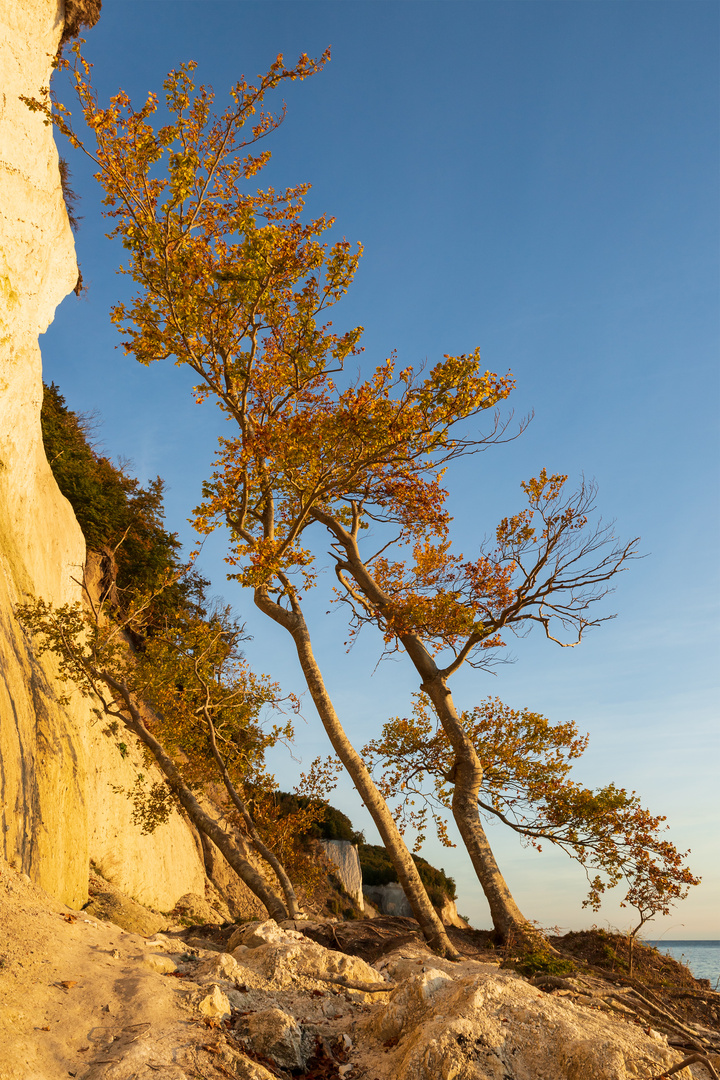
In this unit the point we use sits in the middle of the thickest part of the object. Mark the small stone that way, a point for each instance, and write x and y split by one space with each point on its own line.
245 1069
215 1005
160 963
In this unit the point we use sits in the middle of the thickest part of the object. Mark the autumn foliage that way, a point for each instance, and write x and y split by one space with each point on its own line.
527 785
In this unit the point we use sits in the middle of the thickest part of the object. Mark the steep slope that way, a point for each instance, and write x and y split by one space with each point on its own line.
58 809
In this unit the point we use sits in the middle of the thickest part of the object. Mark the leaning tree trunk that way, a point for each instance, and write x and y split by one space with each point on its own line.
506 916
510 924
424 912
253 835
132 718
508 920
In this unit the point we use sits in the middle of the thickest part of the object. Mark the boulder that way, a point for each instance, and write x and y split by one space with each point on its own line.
194 908
277 1036
262 933
282 964
220 966
406 1003
110 905
498 1027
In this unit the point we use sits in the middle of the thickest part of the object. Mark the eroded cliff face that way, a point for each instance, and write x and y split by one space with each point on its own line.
56 765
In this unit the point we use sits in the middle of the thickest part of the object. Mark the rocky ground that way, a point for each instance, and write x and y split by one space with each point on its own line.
358 1000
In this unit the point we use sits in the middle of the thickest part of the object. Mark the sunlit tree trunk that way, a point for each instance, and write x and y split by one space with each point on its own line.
430 923
467 775
508 920
133 721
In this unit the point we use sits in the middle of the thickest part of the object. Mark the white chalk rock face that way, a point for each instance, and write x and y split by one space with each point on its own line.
346 860
389 899
58 810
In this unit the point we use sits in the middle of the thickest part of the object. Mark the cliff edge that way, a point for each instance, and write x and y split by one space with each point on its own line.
56 765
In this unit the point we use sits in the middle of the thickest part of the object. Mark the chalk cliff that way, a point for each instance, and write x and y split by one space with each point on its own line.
58 810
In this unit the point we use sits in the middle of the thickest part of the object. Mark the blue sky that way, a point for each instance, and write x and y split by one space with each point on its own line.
540 180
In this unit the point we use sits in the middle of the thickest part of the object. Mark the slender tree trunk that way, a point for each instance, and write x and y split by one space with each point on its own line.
255 839
424 912
132 718
508 920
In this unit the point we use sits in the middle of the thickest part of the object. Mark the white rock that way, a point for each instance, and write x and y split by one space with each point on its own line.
264 933
407 1003
215 1005
491 1026
282 964
346 861
160 963
449 915
246 1069
219 966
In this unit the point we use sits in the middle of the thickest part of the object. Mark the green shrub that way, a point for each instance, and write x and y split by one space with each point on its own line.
334 826
540 962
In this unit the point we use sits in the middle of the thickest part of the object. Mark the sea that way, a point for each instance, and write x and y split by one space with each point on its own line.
702 957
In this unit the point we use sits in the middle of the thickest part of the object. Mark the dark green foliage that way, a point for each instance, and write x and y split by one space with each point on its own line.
543 963
115 512
337 826
378 870
334 826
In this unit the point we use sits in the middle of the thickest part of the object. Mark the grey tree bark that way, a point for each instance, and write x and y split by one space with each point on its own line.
430 923
508 920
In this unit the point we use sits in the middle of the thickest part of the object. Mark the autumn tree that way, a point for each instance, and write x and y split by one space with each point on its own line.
189 699
527 785
234 285
183 649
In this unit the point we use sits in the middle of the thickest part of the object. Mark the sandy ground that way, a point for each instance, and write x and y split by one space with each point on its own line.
79 999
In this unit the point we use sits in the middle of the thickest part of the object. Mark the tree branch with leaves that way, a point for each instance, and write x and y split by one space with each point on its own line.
527 762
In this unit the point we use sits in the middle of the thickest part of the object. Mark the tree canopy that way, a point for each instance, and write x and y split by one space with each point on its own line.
233 283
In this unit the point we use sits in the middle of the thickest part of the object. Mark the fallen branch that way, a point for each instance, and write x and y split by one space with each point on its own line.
668 1016
350 984
700 1059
